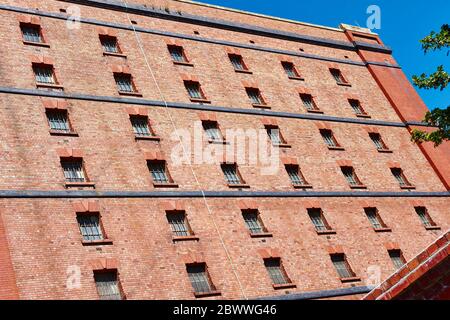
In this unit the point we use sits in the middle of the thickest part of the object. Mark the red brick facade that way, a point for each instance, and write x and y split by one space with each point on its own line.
42 252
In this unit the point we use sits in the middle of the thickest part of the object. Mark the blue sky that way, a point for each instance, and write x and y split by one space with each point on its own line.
403 24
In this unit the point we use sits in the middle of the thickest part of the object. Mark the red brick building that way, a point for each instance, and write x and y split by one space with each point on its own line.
94 204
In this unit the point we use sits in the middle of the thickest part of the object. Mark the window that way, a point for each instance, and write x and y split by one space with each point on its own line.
276 271
377 141
374 218
329 138
253 221
58 120
318 219
398 174
357 108
90 227
397 258
337 75
108 286
255 96
194 90
295 175
422 212
44 73
73 170
231 173
290 70
237 62
124 82
200 279
350 175
212 130
342 267
177 54
179 224
308 102
275 135
110 44
31 33
158 169
141 126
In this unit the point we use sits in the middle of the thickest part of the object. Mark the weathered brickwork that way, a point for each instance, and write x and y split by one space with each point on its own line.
41 244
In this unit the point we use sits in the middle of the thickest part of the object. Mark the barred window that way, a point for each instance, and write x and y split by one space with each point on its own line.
194 90
124 82
377 141
31 33
276 271
342 267
141 126
44 73
275 135
397 258
231 173
337 75
179 224
422 212
73 170
295 175
109 44
350 175
253 221
308 102
255 96
329 138
177 54
58 120
318 220
212 130
398 174
158 170
374 218
90 226
108 286
199 277
356 106
290 69
237 62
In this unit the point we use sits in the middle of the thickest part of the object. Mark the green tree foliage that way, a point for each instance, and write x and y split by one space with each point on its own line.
440 79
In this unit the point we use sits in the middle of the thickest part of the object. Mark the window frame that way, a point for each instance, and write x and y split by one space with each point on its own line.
169 180
198 87
187 228
401 179
306 96
261 103
368 211
121 76
430 224
397 259
54 131
324 227
335 72
104 236
281 273
349 275
282 141
356 104
118 47
212 289
117 280
264 232
292 68
241 182
75 160
243 66
145 119
40 31
328 136
45 67
182 53
358 183
303 182
208 125
378 139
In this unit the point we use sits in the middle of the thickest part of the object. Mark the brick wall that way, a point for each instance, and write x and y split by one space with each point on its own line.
43 234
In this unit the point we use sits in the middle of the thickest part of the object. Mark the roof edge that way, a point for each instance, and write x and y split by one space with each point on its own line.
260 15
